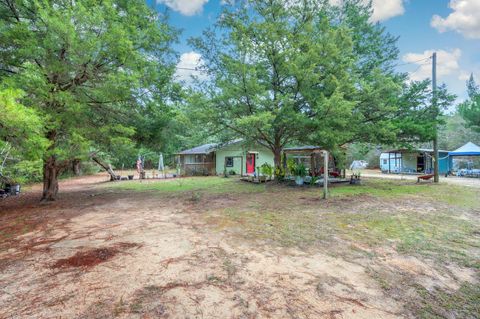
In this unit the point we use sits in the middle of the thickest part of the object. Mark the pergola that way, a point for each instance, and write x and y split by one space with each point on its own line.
315 156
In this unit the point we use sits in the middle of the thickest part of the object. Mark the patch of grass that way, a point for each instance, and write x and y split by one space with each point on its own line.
438 303
288 228
211 184
435 235
454 195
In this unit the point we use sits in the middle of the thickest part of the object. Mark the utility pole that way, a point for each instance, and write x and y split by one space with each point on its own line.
325 174
435 110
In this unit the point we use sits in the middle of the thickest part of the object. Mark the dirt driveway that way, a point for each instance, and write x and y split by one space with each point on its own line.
101 252
452 180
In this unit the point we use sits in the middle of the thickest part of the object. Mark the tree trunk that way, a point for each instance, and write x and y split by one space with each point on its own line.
277 157
50 179
106 167
76 167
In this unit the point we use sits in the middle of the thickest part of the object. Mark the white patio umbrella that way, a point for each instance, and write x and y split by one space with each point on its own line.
161 167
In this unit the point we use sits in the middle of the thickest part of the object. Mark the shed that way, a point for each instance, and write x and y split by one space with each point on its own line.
412 161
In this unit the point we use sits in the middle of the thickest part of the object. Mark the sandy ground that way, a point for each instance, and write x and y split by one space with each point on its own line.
452 180
156 257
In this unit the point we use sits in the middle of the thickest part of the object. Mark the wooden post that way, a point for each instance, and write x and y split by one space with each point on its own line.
325 174
436 110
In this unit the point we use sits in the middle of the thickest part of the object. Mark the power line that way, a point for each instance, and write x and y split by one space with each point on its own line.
189 69
396 65
413 62
418 68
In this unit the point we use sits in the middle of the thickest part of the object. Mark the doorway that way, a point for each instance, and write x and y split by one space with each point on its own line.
250 163
420 163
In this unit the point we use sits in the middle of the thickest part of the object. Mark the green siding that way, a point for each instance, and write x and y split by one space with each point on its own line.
238 152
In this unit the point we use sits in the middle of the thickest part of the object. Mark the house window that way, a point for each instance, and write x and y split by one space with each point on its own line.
198 158
229 161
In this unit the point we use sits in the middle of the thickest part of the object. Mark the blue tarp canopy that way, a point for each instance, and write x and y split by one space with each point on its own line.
468 149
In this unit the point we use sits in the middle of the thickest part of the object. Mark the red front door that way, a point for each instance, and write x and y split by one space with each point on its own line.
250 163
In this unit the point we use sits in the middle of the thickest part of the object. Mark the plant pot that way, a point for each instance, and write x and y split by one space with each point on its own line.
299 180
355 181
12 189
130 177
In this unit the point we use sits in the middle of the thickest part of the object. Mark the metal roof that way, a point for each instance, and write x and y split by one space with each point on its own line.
301 148
468 149
416 150
208 148
202 149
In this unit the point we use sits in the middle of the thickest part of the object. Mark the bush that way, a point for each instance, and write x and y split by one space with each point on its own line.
266 170
279 174
300 170
291 165
24 171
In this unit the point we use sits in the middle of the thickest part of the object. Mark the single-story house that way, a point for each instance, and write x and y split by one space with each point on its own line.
413 161
234 157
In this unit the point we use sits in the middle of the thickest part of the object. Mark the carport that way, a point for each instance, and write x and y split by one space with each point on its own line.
469 153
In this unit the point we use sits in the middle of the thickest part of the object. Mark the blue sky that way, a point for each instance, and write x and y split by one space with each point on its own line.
450 27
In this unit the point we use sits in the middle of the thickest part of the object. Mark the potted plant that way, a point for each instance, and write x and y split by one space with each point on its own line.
355 178
266 170
300 172
12 187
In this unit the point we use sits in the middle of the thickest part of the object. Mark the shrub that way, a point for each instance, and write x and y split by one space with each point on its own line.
300 170
266 170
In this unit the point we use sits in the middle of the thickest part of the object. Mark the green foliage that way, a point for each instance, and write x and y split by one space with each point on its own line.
279 173
21 138
266 170
299 170
470 109
25 171
291 165
21 126
95 72
310 73
455 133
417 118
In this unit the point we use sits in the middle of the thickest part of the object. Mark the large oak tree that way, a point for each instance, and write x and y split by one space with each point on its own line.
89 68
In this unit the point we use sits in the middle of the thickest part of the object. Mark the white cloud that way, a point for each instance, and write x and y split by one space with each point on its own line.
185 7
465 19
386 9
188 66
447 64
382 9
